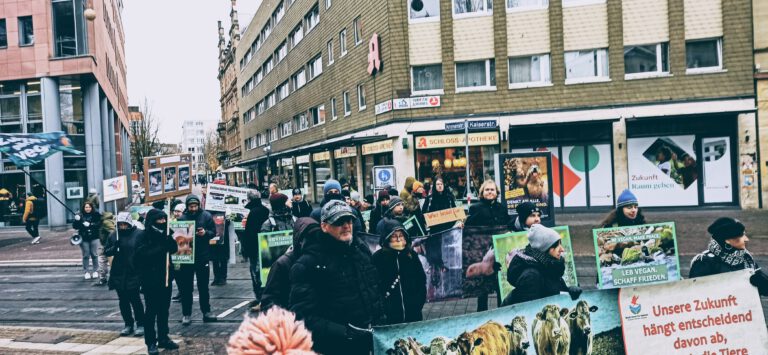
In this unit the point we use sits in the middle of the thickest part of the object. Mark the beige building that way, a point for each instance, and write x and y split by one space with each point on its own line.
229 127
653 95
760 23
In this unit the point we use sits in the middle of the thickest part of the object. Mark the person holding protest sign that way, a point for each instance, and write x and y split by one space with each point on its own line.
123 277
726 252
402 277
278 285
153 250
528 214
205 230
335 287
300 207
627 212
88 225
538 271
440 199
257 215
411 196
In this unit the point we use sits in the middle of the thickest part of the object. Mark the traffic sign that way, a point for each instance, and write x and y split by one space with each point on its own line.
473 125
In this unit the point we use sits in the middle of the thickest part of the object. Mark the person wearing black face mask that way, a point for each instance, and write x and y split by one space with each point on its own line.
151 260
205 230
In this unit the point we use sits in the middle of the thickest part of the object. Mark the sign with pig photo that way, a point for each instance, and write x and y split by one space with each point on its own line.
477 259
636 255
183 232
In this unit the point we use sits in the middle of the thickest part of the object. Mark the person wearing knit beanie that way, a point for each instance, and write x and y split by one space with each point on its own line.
626 213
277 201
544 239
528 214
380 209
331 185
626 198
395 207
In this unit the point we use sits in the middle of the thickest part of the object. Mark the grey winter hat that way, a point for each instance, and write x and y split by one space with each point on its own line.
542 238
335 210
393 202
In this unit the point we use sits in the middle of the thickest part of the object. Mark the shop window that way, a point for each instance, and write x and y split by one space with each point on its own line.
476 76
13 188
69 29
527 4
704 55
347 104
333 109
465 7
10 110
427 79
343 42
329 48
586 66
529 71
3 34
650 60
358 30
424 10
26 31
315 67
452 163
361 97
312 18
296 35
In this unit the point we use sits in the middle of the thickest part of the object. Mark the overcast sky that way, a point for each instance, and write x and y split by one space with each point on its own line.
172 58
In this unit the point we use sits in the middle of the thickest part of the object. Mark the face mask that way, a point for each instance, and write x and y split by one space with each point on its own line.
160 228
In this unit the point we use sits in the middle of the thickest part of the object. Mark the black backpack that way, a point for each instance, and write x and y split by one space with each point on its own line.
40 209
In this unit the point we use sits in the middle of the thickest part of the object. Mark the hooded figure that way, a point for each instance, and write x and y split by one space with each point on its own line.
401 276
538 271
205 230
124 277
281 218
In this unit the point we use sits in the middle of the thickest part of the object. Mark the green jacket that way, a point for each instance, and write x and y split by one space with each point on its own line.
107 226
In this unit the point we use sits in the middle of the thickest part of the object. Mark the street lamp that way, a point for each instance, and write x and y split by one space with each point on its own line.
268 149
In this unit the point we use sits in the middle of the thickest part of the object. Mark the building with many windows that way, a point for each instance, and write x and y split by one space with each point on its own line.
653 95
760 26
229 126
192 142
60 71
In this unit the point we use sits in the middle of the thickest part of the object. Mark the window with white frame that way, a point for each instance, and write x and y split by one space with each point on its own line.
268 65
248 56
529 70
333 109
258 75
296 35
248 115
281 52
301 122
267 29
424 10
361 97
277 15
646 59
329 48
312 18
569 3
298 79
250 86
315 66
282 91
478 75
260 107
427 79
250 143
328 4
343 42
527 4
272 134
286 129
704 54
317 115
472 7
260 139
347 104
586 65
269 101
358 30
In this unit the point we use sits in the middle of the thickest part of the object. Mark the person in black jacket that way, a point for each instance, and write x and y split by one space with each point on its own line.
538 271
88 225
123 276
332 192
257 215
299 206
439 199
401 276
382 204
152 261
726 252
278 286
334 286
205 230
528 214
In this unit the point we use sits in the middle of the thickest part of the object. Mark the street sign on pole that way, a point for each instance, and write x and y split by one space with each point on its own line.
383 175
473 125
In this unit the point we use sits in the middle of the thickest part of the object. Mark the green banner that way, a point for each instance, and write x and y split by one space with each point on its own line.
183 232
271 246
413 227
636 255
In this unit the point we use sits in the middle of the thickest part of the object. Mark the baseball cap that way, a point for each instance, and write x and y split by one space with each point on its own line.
334 211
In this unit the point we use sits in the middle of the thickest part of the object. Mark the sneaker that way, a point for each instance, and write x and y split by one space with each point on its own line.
95 274
35 240
185 321
128 330
152 349
139 332
87 275
209 317
167 344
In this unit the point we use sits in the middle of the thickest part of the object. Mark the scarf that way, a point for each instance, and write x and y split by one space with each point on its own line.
733 257
555 266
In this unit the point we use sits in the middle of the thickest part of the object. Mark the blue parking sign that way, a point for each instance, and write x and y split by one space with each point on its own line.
383 175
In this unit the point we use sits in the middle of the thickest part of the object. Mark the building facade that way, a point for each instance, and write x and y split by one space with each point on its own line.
229 126
62 72
653 95
760 28
193 142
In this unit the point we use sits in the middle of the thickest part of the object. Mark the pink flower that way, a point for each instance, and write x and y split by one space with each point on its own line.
275 333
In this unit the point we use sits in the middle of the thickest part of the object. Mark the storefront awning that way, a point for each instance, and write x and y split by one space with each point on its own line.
329 144
235 169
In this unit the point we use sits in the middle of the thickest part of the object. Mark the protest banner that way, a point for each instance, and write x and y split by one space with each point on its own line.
271 246
183 232
477 259
527 177
230 200
115 188
505 246
440 256
530 329
413 227
713 315
636 255
161 176
30 149
445 216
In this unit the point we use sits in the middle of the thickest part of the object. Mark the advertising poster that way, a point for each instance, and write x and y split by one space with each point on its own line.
551 325
155 182
662 170
183 232
636 255
505 247
184 176
170 179
716 166
477 259
527 177
440 255
271 246
711 315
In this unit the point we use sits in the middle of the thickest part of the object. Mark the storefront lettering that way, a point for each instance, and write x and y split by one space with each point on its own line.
455 140
321 156
378 147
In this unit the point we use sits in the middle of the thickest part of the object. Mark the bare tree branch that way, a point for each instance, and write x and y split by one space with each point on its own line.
211 150
145 142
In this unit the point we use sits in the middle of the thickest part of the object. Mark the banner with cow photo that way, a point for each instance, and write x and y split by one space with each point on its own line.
551 325
636 255
271 246
478 258
506 246
711 315
183 232
441 257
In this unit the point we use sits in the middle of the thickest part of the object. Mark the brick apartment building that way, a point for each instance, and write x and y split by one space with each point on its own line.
229 127
618 91
62 72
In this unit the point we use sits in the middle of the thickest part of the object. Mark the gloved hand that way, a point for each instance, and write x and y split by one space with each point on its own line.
760 280
356 334
86 224
77 217
574 292
496 266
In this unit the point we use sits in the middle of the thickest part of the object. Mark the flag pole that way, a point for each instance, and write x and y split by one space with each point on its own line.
47 191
